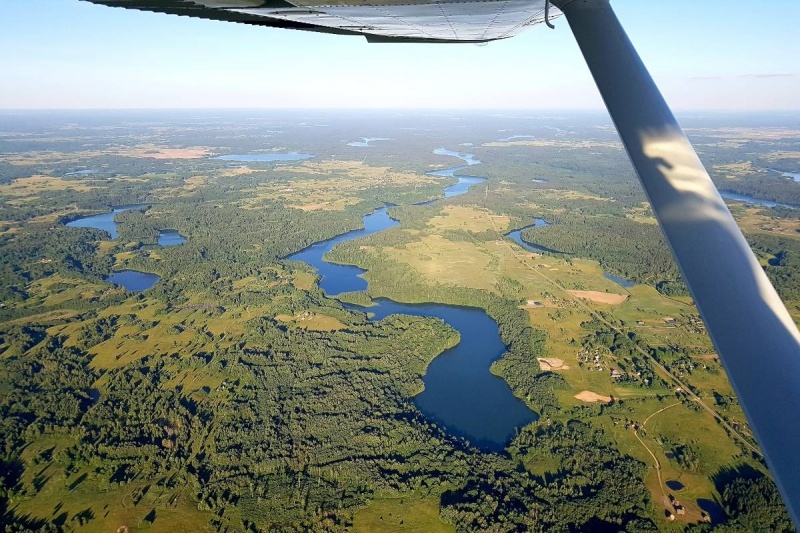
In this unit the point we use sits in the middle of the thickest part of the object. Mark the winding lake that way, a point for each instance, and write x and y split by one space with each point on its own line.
460 393
105 221
516 235
736 197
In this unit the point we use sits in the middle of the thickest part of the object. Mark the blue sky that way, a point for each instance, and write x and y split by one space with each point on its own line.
709 54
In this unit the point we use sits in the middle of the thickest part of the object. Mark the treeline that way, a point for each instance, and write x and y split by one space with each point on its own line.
635 251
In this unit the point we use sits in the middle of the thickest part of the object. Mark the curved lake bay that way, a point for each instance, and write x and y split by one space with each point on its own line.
460 394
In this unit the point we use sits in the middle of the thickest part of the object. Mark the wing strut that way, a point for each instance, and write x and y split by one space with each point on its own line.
751 330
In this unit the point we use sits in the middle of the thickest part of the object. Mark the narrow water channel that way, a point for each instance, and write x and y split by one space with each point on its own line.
460 393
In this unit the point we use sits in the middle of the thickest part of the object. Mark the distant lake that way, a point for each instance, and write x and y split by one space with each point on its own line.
793 175
104 221
133 280
276 156
728 195
170 238
539 180
367 140
464 182
84 171
516 235
469 159
515 137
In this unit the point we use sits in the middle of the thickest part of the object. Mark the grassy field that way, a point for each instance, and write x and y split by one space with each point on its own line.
407 513
543 283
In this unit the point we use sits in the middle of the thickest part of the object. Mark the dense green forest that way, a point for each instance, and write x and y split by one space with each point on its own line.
214 401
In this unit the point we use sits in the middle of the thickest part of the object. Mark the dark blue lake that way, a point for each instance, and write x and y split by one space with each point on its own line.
460 393
133 280
516 235
728 195
341 278
104 221
170 238
290 156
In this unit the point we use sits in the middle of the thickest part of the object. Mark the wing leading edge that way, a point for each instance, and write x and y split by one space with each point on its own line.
416 21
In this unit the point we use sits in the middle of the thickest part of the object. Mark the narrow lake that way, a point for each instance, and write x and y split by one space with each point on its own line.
105 221
516 235
366 141
290 156
460 393
736 197
793 175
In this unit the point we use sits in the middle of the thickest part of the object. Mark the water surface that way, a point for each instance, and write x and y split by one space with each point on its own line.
134 280
620 281
275 156
793 175
341 278
469 159
728 195
104 221
674 485
516 235
714 510
170 238
367 140
460 392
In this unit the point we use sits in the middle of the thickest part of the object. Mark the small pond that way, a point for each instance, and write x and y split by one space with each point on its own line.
674 485
170 238
133 280
618 280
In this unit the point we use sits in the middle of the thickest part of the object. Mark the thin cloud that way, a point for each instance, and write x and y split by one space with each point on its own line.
747 76
769 75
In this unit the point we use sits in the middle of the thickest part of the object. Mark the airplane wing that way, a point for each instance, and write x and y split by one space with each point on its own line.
416 21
